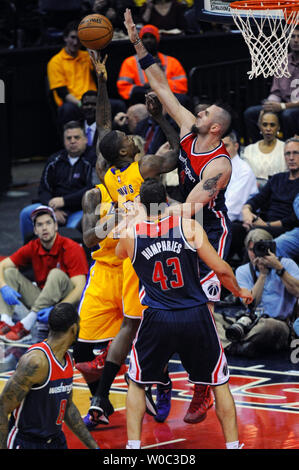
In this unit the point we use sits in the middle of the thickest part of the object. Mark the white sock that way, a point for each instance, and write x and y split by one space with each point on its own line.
7 319
29 320
133 445
232 445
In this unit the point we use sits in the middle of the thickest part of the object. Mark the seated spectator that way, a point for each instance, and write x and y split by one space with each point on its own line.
266 157
287 244
283 98
128 121
242 184
70 76
274 284
241 187
132 84
65 178
166 15
60 268
114 11
149 128
272 208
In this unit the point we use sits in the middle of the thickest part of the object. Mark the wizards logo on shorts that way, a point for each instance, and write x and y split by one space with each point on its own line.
213 290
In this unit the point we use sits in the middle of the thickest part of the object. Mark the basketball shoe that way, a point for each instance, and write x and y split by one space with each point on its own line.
149 401
163 402
92 370
202 400
100 410
89 422
4 329
17 333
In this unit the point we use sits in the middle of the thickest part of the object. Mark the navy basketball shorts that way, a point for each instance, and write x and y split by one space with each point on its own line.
219 234
191 333
18 440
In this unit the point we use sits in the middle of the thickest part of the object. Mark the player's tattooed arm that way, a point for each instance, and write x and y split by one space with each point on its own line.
32 369
74 421
211 185
96 229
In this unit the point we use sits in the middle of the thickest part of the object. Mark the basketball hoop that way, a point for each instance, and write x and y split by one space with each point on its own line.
267 26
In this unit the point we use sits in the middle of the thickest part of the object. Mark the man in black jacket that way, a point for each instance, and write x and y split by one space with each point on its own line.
65 178
272 207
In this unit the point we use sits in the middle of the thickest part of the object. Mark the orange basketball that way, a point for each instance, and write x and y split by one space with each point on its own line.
95 32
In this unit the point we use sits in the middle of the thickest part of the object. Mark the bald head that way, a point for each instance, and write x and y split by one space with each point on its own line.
136 113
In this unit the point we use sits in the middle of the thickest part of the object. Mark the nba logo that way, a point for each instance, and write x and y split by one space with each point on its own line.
118 179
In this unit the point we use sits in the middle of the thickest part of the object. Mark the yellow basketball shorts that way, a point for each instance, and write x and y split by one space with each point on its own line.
132 307
100 309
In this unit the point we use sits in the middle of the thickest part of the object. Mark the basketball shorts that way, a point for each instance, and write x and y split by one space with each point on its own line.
219 235
191 333
131 298
100 309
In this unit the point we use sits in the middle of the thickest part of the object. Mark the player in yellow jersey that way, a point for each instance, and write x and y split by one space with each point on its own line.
100 309
123 179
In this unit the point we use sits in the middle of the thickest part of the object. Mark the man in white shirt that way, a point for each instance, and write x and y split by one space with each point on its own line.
241 187
242 184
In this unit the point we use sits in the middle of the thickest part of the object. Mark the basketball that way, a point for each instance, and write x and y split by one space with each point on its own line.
95 32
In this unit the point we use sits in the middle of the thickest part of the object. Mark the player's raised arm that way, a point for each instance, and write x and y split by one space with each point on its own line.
157 80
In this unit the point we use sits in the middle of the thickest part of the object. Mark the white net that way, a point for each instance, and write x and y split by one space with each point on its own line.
267 36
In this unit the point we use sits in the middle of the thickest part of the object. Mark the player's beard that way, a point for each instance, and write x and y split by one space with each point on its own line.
195 130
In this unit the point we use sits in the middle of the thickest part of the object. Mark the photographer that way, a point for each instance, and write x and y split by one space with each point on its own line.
274 283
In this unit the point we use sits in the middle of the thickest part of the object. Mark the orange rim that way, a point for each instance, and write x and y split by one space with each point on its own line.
288 5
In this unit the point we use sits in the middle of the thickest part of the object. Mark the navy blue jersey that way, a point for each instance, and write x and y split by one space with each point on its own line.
190 168
42 411
167 266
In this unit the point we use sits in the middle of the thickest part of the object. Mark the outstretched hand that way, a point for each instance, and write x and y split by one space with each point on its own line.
130 26
153 105
99 65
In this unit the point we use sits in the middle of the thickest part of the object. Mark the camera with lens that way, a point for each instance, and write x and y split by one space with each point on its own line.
262 247
242 325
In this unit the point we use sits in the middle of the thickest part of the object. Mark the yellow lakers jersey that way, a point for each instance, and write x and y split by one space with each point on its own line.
106 251
124 184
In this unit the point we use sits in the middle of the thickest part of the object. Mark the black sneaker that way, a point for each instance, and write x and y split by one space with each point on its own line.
100 409
150 404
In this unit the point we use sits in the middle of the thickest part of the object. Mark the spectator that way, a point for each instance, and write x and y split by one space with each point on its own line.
89 102
128 121
287 244
274 202
66 177
59 266
274 284
241 187
70 76
114 11
132 83
166 15
266 157
242 184
283 98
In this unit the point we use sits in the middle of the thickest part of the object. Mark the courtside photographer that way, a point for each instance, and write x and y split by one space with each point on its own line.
274 282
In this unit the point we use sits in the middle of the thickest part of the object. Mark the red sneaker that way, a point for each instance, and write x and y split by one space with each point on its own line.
4 329
202 400
17 333
92 370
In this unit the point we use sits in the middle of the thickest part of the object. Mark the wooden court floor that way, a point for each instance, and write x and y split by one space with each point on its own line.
266 394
